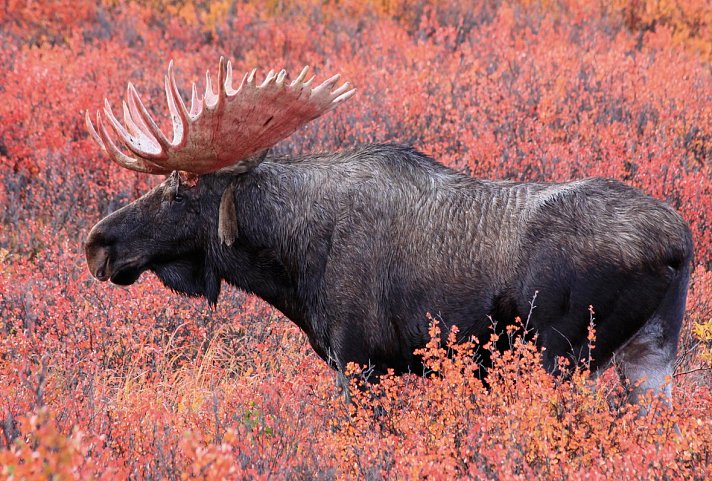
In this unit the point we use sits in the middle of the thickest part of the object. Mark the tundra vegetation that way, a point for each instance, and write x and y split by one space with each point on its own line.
107 383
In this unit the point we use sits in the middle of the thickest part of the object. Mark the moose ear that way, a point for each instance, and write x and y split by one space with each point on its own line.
227 217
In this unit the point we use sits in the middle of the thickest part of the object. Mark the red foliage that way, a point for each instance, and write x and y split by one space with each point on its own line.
104 382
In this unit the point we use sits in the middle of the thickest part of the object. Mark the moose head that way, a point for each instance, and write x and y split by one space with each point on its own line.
171 229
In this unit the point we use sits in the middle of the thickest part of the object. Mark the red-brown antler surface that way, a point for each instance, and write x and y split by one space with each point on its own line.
221 129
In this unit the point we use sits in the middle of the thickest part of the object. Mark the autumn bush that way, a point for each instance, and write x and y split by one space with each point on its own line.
102 382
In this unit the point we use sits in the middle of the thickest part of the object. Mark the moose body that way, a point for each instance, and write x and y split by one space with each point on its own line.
359 247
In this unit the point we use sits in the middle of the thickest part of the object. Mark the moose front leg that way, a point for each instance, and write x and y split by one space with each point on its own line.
342 384
342 380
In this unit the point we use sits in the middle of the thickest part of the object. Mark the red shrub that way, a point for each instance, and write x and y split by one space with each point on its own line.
104 382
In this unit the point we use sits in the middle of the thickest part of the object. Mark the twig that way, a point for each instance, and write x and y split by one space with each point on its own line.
692 370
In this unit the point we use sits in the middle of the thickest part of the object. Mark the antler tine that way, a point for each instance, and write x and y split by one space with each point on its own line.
209 97
243 82
229 90
343 97
328 83
115 154
221 79
132 127
92 130
251 77
148 135
118 128
324 95
212 99
280 77
140 115
196 103
270 76
139 133
300 77
179 119
179 114
346 86
141 145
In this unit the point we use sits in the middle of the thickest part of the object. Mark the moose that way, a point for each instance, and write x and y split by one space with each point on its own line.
358 247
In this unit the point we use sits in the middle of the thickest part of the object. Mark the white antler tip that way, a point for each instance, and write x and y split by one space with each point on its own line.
229 90
280 77
297 82
270 76
92 131
328 83
346 86
343 97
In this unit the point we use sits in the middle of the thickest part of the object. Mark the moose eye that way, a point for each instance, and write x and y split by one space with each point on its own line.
178 198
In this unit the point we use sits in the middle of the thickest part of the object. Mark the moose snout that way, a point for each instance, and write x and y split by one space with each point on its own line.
97 254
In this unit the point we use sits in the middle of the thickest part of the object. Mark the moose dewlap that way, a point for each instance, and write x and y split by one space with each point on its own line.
357 247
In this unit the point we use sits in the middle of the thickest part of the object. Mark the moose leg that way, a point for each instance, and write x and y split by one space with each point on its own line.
647 362
342 384
342 381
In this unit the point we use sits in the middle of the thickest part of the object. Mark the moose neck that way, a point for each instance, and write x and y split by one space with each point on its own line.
276 254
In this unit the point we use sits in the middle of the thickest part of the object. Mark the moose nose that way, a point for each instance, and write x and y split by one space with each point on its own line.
97 254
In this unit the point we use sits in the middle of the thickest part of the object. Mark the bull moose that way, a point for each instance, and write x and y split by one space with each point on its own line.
357 247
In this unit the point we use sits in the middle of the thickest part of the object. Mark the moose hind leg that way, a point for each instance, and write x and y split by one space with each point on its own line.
647 362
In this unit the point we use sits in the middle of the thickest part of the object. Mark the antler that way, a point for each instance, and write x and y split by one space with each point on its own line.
221 129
